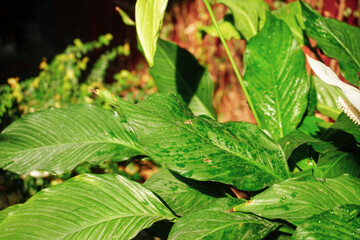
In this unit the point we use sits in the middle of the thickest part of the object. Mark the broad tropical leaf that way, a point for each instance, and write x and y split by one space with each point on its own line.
209 224
84 207
249 15
181 194
296 199
149 16
60 139
291 14
337 39
347 127
338 223
177 71
327 96
336 163
200 148
276 79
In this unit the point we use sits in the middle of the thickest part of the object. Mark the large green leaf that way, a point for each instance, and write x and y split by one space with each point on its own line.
335 163
276 79
200 148
291 14
249 15
210 224
338 224
60 139
327 95
337 39
86 207
345 125
177 71
149 16
181 194
294 200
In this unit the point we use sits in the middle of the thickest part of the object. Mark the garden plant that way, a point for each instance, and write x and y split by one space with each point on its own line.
290 176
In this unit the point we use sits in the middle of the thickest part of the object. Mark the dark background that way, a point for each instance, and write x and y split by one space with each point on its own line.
33 29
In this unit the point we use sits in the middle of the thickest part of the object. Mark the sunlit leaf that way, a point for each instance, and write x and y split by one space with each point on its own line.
276 79
209 224
337 39
200 148
226 26
296 199
249 15
338 223
60 139
291 14
149 16
84 207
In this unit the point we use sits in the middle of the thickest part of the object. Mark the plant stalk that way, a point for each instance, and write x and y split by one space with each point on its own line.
236 70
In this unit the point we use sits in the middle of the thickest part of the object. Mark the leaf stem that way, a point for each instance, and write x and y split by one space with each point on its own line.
237 73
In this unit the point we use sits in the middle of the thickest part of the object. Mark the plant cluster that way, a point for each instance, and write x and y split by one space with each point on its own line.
294 175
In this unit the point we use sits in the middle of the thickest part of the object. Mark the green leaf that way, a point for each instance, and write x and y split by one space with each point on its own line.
337 39
226 26
336 163
276 79
181 194
84 207
345 125
294 200
125 18
209 224
7 211
239 154
249 15
327 95
291 14
338 224
149 16
60 139
177 71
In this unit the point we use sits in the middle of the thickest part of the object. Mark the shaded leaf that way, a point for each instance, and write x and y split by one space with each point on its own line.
86 206
291 14
249 15
58 140
336 163
183 195
276 79
239 154
338 223
209 224
177 71
149 16
344 124
295 199
337 39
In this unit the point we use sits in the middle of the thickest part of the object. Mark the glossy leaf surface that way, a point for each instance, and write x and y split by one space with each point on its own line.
249 15
239 153
181 194
337 39
177 71
60 139
209 224
335 163
84 207
294 200
276 79
338 224
149 16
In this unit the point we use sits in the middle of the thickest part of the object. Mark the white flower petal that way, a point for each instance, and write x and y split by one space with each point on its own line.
328 76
